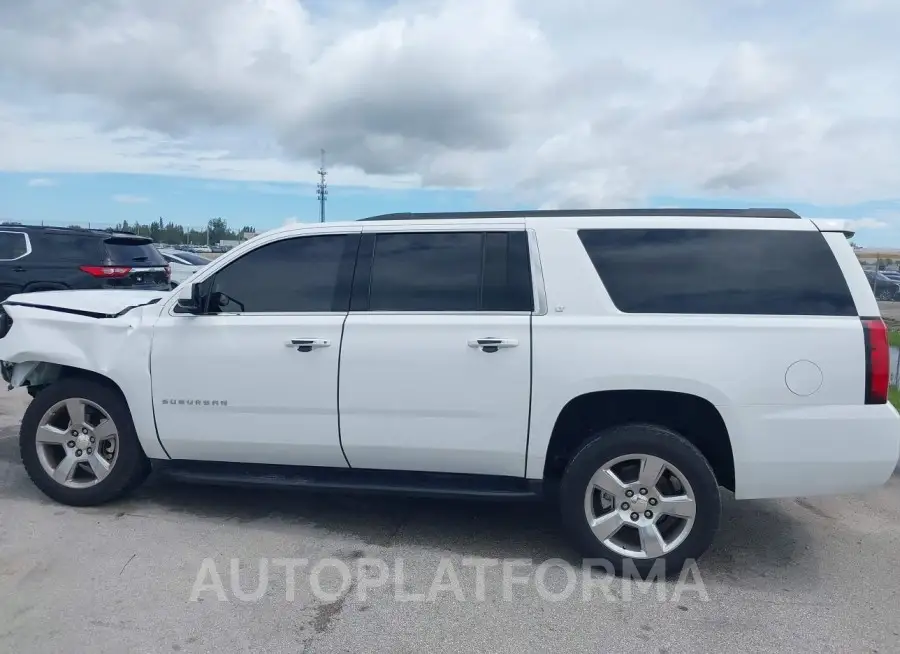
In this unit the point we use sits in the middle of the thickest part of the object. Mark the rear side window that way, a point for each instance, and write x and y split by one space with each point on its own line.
13 245
724 271
121 252
71 246
449 271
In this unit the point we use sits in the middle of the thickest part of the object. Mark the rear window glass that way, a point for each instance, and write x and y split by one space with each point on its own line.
719 271
141 253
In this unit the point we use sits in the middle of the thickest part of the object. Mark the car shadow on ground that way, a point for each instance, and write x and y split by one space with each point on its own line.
757 540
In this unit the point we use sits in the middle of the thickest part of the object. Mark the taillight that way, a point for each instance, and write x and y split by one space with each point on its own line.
107 272
878 367
168 273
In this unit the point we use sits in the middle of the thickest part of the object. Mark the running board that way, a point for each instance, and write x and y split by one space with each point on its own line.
421 484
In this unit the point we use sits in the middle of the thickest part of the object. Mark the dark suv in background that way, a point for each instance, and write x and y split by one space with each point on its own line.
56 258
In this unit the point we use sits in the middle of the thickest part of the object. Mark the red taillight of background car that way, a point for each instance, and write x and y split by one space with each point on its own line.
106 272
878 367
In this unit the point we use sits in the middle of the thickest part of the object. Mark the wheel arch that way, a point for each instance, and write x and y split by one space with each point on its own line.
36 375
693 416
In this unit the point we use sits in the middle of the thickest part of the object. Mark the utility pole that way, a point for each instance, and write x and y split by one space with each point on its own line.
322 189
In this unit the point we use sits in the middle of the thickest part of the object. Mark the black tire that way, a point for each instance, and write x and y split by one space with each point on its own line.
652 440
131 466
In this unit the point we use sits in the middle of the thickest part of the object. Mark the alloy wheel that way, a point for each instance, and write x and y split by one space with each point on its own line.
640 506
77 443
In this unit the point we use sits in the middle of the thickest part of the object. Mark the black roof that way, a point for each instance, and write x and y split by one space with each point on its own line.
591 213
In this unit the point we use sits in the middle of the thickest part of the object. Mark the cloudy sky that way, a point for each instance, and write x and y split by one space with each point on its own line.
188 109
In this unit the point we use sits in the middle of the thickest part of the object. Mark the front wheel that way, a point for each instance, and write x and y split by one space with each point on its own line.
636 495
78 443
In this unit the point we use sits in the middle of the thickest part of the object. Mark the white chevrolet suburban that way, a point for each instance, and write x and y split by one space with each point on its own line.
626 364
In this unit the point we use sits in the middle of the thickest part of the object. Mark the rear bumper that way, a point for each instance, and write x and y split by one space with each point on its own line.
814 450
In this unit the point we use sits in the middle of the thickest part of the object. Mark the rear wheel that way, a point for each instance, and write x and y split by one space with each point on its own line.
78 443
639 494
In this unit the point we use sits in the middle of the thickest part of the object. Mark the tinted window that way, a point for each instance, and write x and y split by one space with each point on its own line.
507 273
71 246
719 271
137 253
12 245
450 271
305 274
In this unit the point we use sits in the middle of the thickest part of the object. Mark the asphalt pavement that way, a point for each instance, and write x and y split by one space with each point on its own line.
153 574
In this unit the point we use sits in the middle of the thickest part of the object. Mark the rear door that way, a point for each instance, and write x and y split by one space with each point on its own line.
436 355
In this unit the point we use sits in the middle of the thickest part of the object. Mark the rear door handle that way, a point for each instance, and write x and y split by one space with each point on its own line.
308 344
492 344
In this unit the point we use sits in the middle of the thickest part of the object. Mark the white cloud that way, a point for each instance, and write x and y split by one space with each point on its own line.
130 199
554 104
41 182
867 223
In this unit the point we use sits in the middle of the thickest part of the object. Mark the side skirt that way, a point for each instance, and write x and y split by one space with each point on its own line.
393 482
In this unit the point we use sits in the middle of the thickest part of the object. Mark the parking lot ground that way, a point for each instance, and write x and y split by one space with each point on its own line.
890 311
811 575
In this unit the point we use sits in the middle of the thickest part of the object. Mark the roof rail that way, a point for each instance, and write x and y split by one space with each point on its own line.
591 213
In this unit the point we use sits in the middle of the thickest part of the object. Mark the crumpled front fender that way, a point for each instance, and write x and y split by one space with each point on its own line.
43 342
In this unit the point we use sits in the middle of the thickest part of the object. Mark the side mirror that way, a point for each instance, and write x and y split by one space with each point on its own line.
189 300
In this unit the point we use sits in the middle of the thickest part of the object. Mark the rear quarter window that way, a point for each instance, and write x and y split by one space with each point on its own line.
724 271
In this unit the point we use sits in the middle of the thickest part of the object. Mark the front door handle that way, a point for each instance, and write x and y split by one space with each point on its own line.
308 344
492 344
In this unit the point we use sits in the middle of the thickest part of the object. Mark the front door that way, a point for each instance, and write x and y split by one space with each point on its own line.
436 357
254 379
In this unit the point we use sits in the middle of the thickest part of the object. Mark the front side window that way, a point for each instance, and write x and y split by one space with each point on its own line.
13 245
450 271
307 274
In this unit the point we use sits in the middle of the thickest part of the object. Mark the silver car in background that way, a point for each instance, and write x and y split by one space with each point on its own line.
183 264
